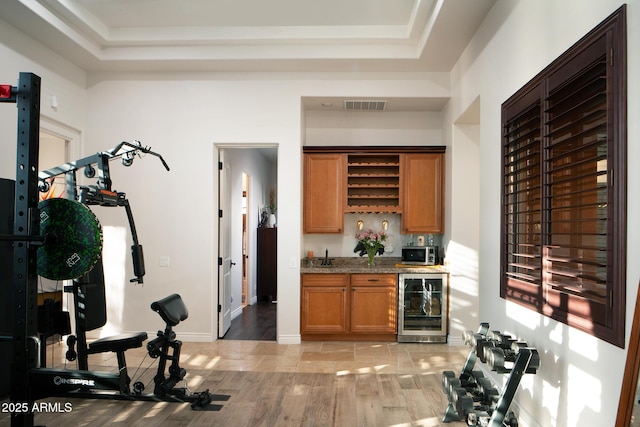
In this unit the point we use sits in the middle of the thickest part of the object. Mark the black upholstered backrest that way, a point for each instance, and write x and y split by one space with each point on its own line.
91 309
171 309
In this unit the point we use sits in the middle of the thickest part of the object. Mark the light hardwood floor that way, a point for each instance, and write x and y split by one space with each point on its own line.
308 384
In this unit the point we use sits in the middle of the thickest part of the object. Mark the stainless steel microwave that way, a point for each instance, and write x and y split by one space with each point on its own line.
420 255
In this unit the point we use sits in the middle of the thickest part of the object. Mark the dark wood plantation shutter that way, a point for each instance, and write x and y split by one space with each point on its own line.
522 204
576 192
563 247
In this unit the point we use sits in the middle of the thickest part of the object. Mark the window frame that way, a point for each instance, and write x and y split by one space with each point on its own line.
527 224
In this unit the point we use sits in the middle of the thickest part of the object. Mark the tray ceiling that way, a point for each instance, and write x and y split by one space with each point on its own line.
252 35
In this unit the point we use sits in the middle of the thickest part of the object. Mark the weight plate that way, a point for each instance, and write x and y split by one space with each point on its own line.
76 239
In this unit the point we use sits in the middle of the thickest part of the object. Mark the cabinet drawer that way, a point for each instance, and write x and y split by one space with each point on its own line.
374 279
322 279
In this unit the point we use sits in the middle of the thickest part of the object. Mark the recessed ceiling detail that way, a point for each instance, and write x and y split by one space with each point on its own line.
252 35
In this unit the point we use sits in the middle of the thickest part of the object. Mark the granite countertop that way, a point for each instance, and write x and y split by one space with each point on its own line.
359 265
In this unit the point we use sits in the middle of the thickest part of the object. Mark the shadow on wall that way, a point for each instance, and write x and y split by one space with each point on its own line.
561 393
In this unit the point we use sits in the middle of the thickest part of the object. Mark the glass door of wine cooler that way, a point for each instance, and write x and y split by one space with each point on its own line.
422 314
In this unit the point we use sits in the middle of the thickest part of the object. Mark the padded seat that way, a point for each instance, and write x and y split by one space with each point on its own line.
116 343
171 309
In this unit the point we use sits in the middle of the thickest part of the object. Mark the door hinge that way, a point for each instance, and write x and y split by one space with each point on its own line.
219 165
219 260
220 213
219 308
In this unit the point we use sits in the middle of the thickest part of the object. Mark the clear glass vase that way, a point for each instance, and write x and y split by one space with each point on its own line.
371 253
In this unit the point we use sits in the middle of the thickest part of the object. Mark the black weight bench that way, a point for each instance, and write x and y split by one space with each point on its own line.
90 313
172 310
119 344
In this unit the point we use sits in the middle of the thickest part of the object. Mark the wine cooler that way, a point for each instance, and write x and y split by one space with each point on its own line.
423 307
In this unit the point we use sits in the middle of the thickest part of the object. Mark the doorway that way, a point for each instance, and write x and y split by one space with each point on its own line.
249 190
245 240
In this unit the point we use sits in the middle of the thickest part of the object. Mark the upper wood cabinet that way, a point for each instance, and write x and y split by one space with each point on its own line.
323 193
392 179
423 198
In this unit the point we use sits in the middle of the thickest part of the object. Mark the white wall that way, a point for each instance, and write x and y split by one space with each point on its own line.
373 128
580 377
183 117
19 53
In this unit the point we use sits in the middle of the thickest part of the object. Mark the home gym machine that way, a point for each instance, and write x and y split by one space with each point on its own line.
37 230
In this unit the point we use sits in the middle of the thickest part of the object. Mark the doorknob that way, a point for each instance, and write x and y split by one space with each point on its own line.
231 263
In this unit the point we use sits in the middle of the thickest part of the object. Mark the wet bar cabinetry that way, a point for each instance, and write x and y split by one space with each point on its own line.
323 186
343 306
373 183
405 180
423 201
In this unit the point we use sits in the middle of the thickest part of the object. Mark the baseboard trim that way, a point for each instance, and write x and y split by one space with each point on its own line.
289 339
455 341
193 337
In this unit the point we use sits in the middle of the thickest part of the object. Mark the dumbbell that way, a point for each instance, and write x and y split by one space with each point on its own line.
487 392
511 420
467 337
452 386
470 337
496 360
447 376
482 347
478 418
463 403
503 340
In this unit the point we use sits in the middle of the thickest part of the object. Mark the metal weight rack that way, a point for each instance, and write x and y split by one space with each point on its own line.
26 95
472 397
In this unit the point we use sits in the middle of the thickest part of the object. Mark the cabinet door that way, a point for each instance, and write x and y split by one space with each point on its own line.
423 197
323 193
324 304
374 300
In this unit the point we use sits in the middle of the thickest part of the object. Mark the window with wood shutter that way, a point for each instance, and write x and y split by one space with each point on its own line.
564 187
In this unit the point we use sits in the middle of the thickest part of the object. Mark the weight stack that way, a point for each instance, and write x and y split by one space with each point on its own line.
7 198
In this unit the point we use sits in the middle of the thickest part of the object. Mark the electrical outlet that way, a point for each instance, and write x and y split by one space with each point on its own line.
164 261
293 261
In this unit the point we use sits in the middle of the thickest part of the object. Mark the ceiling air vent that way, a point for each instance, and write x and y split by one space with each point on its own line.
364 105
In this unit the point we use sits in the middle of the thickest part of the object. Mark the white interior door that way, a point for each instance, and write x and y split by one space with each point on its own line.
224 247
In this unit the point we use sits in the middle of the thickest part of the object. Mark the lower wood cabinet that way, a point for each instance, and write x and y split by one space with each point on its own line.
349 307
324 303
374 302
